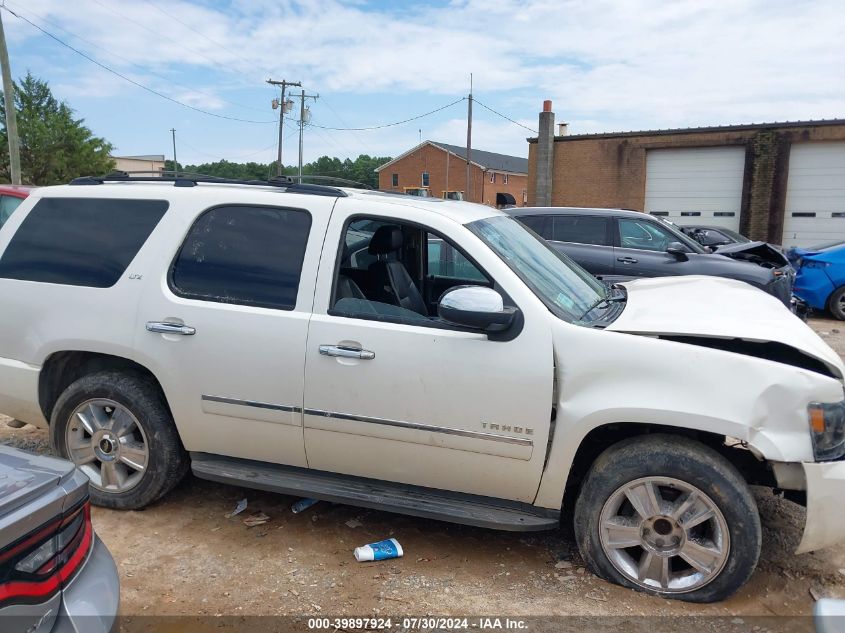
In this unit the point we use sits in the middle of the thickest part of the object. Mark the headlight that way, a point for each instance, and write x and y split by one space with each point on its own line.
827 428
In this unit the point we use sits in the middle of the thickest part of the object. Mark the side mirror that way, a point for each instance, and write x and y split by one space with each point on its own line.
476 307
678 250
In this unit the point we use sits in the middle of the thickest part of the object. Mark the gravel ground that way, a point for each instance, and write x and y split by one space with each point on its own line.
182 556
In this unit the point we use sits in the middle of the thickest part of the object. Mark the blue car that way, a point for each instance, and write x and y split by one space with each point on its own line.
821 276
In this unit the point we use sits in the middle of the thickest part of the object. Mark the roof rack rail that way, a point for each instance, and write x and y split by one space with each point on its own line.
185 179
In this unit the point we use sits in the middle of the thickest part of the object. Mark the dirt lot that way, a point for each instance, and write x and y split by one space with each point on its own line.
183 557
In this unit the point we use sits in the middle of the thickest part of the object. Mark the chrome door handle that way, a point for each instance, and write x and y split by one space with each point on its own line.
346 352
626 260
164 327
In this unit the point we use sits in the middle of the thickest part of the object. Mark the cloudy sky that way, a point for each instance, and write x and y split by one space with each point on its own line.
607 66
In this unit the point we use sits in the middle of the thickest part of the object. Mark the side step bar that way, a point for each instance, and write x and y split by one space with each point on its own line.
454 507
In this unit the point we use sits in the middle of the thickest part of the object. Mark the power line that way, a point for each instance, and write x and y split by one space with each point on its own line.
157 34
232 158
504 117
129 61
380 127
204 36
125 78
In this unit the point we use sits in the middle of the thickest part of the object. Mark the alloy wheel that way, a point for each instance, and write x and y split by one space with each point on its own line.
106 441
664 535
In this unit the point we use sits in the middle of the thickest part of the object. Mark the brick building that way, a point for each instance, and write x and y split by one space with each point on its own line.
779 182
440 168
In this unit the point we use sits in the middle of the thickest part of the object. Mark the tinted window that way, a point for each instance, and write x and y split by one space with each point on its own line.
7 205
581 229
444 260
540 224
245 255
80 241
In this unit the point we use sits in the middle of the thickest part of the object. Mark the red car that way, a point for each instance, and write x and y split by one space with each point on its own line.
10 197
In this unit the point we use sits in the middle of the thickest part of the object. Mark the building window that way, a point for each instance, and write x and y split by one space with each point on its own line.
394 180
425 179
504 179
493 177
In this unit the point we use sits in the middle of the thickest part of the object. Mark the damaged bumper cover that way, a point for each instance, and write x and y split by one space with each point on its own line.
825 486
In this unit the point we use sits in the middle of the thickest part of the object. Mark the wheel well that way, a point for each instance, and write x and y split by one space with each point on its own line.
63 368
755 471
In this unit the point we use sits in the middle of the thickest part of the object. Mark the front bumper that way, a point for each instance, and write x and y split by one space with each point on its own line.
825 486
90 601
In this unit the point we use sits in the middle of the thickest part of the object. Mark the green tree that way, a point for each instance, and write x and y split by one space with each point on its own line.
361 170
55 147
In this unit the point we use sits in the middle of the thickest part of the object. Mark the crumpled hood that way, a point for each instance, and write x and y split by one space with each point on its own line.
720 308
761 253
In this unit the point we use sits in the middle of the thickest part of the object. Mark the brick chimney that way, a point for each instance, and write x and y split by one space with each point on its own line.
545 156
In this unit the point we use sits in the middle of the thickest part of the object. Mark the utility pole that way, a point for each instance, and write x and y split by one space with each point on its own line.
175 164
282 105
302 98
469 141
11 114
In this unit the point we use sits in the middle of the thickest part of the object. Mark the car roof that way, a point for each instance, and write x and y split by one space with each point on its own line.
207 194
621 213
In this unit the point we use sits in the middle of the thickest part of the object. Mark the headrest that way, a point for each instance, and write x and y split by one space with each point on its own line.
386 239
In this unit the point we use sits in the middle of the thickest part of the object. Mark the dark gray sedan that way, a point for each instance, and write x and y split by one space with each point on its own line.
55 574
618 245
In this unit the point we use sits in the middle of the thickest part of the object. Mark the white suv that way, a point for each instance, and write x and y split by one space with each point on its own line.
423 356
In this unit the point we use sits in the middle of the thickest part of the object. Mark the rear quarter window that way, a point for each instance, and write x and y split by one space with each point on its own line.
80 241
244 255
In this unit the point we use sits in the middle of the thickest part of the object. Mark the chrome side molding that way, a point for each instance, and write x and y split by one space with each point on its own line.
253 403
495 437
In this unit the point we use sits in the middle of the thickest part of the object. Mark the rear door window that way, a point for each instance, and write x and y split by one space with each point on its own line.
80 241
245 255
581 229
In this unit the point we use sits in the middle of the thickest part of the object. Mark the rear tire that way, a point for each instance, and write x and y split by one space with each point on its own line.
668 516
836 303
117 428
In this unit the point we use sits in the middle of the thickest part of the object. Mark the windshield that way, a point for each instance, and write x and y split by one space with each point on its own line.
568 290
740 239
682 237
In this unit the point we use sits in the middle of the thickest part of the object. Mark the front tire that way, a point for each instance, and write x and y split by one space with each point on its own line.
669 516
117 428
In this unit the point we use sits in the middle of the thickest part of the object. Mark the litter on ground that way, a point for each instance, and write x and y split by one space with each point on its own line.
238 508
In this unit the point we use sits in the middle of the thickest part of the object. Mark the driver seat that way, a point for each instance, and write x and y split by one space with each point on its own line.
390 278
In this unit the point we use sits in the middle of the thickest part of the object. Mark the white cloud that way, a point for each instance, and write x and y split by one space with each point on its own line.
608 65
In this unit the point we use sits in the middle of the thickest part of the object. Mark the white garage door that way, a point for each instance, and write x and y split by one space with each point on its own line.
701 185
815 194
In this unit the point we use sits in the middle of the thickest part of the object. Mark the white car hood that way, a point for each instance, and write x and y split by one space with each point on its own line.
720 308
